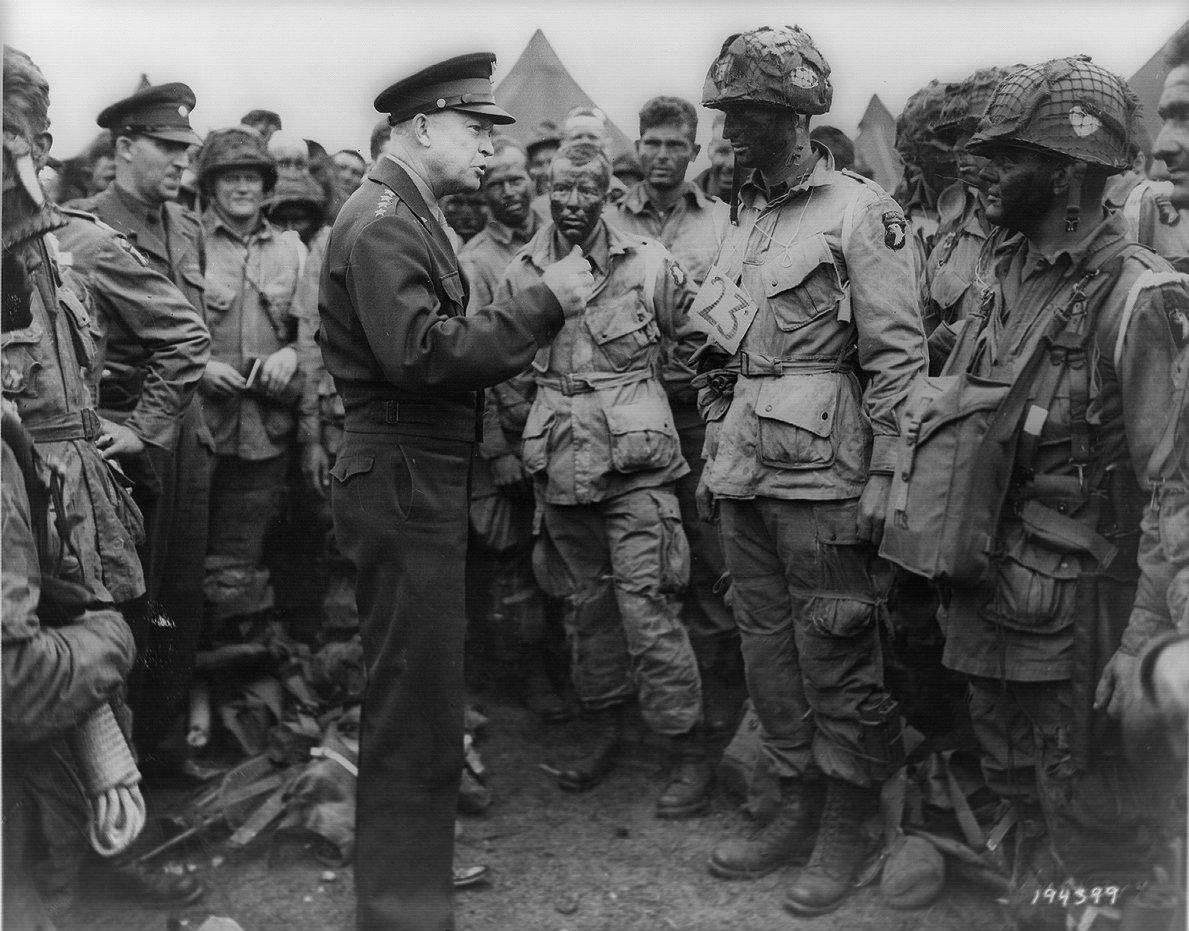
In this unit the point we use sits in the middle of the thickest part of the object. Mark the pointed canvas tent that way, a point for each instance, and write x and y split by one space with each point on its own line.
875 145
539 88
1148 83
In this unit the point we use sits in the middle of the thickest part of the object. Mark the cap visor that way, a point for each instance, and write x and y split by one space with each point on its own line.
496 114
188 136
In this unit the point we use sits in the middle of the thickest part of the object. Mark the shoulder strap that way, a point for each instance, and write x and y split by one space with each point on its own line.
1133 205
1149 279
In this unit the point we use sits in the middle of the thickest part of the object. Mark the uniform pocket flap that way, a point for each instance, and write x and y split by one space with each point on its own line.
218 301
650 414
346 466
29 335
616 318
790 269
805 401
452 285
947 287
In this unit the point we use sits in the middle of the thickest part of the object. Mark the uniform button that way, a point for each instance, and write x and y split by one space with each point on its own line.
825 415
768 408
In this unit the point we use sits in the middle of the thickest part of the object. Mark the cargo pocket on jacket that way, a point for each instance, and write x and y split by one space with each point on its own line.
534 454
946 290
623 328
1035 587
796 421
674 545
20 372
642 435
806 288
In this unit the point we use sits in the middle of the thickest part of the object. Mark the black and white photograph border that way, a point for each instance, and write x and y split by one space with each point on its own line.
246 792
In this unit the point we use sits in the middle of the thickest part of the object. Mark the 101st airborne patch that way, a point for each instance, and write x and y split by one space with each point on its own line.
895 229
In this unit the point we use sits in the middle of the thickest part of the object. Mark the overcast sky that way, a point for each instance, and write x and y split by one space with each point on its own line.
320 63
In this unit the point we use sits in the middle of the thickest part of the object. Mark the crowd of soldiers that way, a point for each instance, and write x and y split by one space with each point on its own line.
836 440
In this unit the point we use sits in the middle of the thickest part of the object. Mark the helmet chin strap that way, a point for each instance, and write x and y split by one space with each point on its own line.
21 153
1073 202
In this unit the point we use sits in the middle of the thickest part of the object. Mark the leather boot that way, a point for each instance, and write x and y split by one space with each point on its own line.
688 790
839 853
603 750
786 838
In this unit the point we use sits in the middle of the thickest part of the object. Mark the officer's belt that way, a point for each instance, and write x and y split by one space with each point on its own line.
418 418
754 365
592 381
77 425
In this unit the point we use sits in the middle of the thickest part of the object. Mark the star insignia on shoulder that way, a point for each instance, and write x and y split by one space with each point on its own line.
385 203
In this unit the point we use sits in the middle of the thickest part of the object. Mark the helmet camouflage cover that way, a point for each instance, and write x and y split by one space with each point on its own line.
775 65
966 101
236 147
1069 107
915 125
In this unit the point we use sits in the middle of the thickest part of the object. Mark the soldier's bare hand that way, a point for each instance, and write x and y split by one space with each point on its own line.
571 282
278 370
221 380
315 467
116 440
873 507
1117 678
507 471
704 501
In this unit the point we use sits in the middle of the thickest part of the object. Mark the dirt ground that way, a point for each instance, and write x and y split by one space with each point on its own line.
560 862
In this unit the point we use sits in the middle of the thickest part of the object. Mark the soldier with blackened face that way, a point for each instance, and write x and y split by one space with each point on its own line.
799 454
601 445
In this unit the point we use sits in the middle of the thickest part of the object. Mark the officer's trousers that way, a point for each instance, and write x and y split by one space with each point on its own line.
400 515
627 558
808 598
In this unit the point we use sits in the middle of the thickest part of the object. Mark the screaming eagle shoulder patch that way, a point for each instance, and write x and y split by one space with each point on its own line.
895 228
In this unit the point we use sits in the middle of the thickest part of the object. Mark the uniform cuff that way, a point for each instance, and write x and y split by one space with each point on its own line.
883 455
542 312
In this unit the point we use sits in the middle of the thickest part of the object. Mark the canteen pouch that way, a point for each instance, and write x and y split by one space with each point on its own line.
941 511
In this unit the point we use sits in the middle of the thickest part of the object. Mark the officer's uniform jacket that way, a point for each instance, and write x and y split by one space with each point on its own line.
829 265
693 232
393 331
1022 625
484 260
45 363
251 288
153 344
950 270
601 424
169 235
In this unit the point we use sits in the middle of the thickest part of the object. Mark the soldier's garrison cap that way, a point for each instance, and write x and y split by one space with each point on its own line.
161 111
462 83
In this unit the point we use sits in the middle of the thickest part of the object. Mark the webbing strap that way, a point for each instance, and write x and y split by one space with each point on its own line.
1075 534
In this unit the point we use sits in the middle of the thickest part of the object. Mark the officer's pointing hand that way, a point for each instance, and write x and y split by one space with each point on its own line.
571 282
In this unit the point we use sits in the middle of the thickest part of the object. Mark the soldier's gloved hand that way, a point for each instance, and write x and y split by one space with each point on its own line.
278 370
221 380
704 501
1116 683
315 467
571 282
116 440
507 471
873 507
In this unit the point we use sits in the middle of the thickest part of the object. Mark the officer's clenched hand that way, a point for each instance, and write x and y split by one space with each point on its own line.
221 380
315 467
278 370
1117 678
506 471
571 282
873 506
116 440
